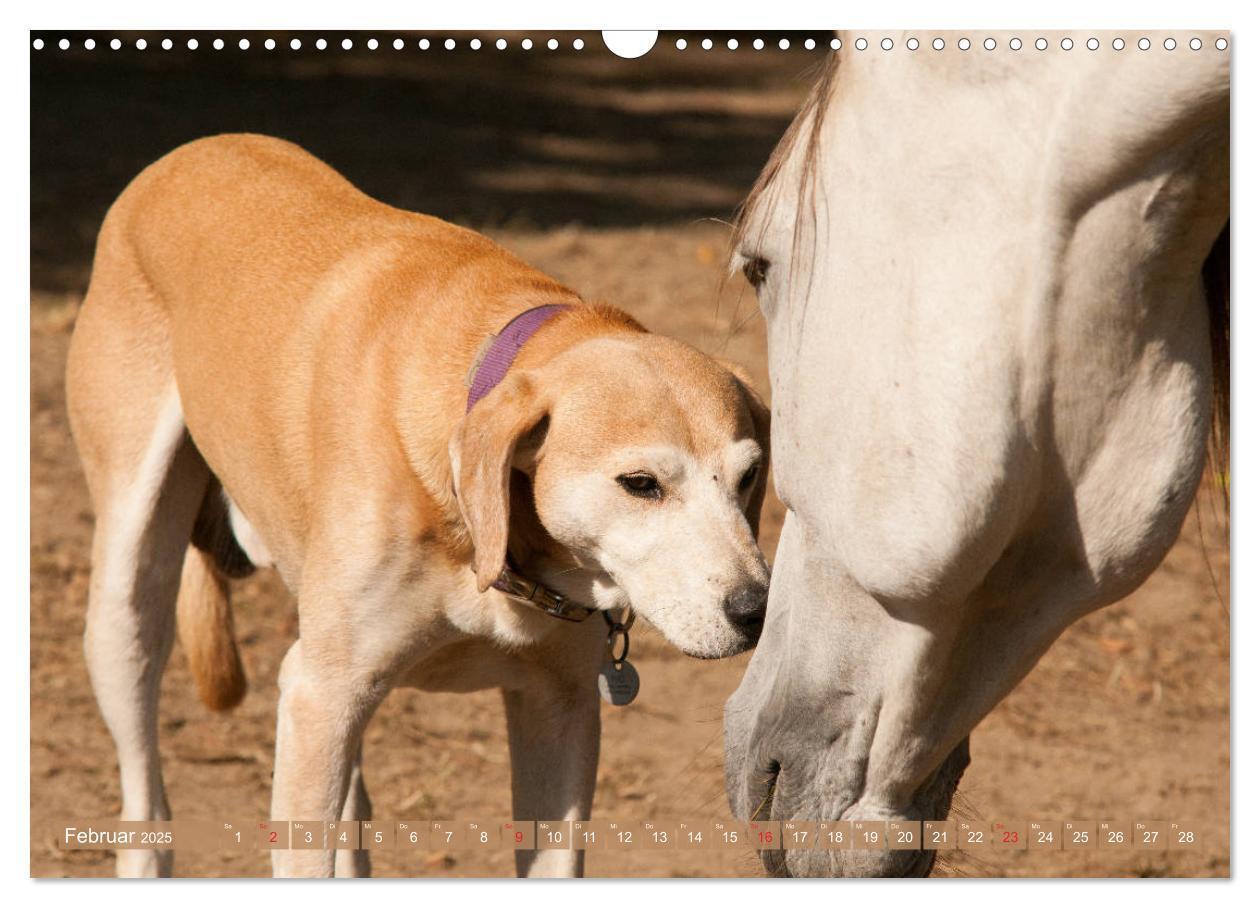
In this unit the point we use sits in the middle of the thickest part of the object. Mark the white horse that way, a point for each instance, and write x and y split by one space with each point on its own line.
992 347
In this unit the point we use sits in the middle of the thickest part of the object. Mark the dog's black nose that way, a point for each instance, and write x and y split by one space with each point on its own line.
746 608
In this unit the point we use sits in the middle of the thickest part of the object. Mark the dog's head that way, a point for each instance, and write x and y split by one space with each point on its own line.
646 461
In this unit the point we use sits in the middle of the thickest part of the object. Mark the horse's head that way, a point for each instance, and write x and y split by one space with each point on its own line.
991 364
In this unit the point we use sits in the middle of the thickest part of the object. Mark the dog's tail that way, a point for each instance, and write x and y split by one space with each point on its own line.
204 610
207 632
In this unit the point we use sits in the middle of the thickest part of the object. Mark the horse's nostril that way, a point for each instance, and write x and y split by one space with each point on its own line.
746 607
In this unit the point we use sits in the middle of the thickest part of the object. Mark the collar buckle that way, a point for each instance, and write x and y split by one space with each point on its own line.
545 599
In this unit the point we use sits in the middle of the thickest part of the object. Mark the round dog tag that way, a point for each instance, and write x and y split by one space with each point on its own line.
618 683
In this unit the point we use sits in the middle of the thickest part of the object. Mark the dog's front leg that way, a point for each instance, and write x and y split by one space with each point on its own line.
553 734
358 806
319 727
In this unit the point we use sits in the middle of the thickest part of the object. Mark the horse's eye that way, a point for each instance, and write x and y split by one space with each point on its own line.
755 269
746 481
641 485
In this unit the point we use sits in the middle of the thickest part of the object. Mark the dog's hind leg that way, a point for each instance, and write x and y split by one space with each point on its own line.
142 531
147 481
137 555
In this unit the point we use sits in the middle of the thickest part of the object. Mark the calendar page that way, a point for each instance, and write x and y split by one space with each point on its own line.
552 453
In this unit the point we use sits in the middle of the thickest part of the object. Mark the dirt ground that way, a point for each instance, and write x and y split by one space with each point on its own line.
602 175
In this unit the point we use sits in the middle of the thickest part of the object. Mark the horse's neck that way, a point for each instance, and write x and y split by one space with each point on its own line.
1080 197
1134 192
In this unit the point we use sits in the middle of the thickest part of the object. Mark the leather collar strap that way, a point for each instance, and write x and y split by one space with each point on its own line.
500 350
528 592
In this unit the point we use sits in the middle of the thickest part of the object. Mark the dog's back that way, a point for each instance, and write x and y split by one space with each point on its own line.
245 216
243 268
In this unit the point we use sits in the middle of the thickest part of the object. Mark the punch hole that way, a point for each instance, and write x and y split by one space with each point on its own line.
528 44
1041 44
758 43
373 44
629 45
475 44
449 43
706 44
346 44
578 44
732 44
193 44
115 44
398 44
1092 44
1195 44
938 44
1144 44
141 44
810 44
38 44
501 44
1066 44
320 44
964 44
1221 44
270 43
89 44
886 44
1016 44
552 43
1117 44
835 43
167 44
912 43
243 44
218 44
784 44
860 44
989 44
1170 44
296 44
681 44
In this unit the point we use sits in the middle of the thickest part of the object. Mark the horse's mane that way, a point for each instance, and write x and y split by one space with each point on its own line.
807 126
808 122
1216 290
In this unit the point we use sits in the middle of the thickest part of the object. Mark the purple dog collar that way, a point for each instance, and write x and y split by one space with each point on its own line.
495 360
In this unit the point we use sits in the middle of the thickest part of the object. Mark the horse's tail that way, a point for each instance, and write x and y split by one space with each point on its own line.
1216 289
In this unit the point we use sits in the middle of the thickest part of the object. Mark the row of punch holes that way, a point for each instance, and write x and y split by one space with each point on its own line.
706 44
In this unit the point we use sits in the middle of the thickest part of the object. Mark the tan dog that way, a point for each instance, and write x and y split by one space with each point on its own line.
269 368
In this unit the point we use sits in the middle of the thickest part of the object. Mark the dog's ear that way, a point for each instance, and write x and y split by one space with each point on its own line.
482 451
760 415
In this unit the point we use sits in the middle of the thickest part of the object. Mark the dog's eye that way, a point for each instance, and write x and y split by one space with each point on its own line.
755 269
750 475
641 485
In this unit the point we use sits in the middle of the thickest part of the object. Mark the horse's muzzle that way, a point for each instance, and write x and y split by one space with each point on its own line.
768 793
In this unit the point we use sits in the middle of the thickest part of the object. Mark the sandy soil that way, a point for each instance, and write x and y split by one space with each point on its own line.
1127 717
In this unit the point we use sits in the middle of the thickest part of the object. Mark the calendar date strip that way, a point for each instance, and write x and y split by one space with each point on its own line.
593 835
